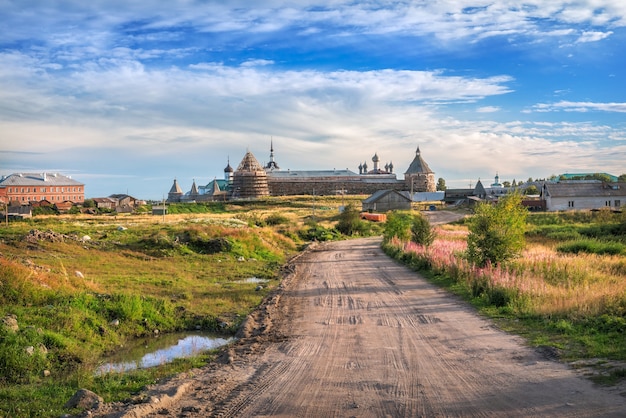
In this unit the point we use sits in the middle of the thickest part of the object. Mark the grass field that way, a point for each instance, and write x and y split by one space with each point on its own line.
79 287
573 301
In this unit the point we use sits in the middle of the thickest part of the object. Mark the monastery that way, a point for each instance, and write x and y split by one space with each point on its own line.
252 180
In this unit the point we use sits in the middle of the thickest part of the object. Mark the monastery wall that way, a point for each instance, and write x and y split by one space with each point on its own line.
330 186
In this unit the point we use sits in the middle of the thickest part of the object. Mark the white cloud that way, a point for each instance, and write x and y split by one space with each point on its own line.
257 63
488 109
593 36
580 107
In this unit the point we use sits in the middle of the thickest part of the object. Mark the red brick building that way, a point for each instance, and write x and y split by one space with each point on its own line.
23 188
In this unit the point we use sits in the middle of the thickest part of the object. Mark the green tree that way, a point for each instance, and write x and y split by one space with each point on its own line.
398 225
350 222
89 203
421 230
441 184
622 178
506 183
496 232
532 189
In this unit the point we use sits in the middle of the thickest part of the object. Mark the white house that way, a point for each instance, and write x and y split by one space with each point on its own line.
583 194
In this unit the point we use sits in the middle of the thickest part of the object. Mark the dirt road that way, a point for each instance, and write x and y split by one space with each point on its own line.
354 334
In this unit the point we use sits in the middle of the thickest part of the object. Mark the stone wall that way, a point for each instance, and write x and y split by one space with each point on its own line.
330 186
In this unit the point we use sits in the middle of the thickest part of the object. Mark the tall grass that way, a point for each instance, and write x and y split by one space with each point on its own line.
586 291
76 298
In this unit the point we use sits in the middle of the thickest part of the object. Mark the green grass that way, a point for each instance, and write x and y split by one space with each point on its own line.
150 273
569 301
592 246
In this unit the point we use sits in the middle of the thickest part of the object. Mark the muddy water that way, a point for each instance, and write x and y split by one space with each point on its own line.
162 349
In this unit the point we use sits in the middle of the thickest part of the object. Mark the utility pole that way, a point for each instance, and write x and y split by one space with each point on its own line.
412 180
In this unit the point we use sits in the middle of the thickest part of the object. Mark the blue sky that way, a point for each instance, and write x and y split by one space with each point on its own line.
126 96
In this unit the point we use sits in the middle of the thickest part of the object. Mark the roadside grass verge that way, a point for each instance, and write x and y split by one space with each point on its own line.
573 303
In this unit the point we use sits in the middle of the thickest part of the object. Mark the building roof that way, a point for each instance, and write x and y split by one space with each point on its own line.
379 194
570 176
213 187
584 188
194 188
249 164
38 179
311 173
418 166
425 196
122 196
176 188
272 165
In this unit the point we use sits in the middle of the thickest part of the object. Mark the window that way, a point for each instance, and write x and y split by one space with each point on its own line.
43 190
607 203
617 203
570 204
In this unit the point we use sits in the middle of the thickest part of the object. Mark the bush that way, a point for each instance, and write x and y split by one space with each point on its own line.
421 231
496 232
316 232
592 246
350 223
276 219
398 225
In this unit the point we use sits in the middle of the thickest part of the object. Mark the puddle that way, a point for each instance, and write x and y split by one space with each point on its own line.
155 351
254 280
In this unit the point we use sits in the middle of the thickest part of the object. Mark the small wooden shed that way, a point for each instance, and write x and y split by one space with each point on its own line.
386 200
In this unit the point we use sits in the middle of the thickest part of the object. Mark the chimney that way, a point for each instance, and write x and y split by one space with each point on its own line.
44 176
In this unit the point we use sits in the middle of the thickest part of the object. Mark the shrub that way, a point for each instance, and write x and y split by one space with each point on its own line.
592 246
350 222
398 225
317 232
276 219
421 231
211 246
496 232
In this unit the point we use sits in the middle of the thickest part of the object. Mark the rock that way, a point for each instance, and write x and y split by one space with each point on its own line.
258 288
84 399
115 323
43 350
30 350
85 238
79 274
241 259
156 332
10 322
121 228
45 373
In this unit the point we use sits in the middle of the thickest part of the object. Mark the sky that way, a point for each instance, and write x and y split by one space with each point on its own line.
126 96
